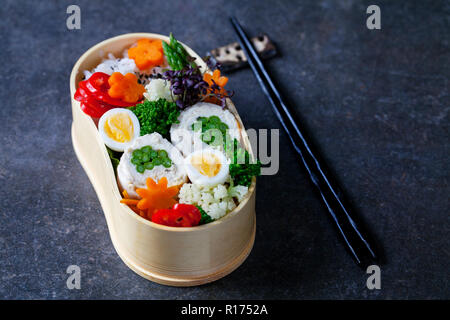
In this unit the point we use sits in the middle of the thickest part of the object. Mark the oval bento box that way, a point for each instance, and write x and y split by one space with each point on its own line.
166 255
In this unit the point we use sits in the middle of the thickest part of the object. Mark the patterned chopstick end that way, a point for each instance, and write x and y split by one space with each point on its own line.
232 57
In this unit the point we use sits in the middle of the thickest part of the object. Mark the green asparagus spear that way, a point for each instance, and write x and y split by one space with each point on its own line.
176 55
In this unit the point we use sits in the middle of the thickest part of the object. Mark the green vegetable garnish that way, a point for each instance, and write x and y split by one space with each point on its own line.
205 217
157 161
156 116
242 170
146 158
146 149
176 55
167 163
162 153
115 157
207 126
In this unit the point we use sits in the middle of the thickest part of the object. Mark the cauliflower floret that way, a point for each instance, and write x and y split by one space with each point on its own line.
216 201
220 192
207 197
231 205
189 193
216 211
238 192
157 89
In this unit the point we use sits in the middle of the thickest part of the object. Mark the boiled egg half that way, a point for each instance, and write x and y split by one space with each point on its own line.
119 127
207 167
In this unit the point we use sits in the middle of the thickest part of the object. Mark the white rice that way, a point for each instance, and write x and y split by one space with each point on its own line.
113 64
125 65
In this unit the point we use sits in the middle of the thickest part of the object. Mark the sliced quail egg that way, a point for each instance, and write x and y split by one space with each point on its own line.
119 128
207 167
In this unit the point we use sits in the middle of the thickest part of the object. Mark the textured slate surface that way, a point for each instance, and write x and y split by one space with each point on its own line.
377 103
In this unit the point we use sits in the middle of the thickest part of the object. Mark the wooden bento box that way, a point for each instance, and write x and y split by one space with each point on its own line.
166 255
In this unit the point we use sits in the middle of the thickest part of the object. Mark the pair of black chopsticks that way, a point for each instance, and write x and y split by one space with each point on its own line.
355 239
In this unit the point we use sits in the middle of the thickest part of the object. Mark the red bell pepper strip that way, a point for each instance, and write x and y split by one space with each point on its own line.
81 93
99 80
181 215
94 98
94 108
98 85
171 218
190 211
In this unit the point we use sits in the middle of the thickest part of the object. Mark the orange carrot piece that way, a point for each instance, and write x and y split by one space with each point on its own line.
156 196
147 54
130 202
125 87
219 80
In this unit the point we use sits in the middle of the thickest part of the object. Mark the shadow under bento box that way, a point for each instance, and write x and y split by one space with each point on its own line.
166 255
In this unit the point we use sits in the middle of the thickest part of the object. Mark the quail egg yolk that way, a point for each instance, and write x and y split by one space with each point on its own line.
119 127
207 164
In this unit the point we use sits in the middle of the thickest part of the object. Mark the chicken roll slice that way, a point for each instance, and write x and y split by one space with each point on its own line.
192 132
150 156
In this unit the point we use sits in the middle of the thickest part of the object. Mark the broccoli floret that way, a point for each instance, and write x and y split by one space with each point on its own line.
241 169
205 217
156 116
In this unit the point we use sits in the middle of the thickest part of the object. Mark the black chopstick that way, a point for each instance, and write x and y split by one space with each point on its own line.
356 241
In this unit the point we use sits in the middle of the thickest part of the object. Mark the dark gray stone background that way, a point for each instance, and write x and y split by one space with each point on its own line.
377 103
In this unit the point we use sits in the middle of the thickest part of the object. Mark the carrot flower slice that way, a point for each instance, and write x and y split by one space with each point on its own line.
125 87
218 80
147 54
221 81
156 196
